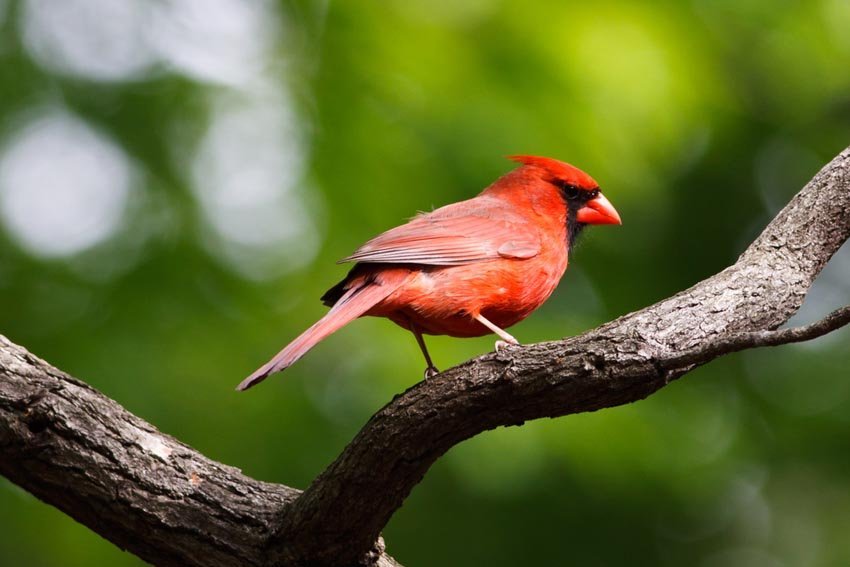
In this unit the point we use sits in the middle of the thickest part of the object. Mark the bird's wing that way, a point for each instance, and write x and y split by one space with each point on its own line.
462 233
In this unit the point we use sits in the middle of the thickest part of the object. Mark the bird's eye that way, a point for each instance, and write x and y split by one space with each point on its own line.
571 192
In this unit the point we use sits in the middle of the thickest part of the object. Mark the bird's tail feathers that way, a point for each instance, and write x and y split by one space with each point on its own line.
351 305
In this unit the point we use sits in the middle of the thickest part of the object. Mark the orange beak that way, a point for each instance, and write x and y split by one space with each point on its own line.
598 210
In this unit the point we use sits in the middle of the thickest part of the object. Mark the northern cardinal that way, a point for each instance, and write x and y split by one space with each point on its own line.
466 269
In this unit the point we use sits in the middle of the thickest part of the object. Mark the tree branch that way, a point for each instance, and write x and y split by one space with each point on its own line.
148 493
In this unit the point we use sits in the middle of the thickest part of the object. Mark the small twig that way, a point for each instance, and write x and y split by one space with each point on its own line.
756 339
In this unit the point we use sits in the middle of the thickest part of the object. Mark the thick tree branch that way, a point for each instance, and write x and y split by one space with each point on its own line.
148 493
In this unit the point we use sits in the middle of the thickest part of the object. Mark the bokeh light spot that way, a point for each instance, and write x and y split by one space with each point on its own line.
247 177
95 39
63 187
222 41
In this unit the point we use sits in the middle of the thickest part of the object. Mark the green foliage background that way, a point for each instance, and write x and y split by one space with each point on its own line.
700 120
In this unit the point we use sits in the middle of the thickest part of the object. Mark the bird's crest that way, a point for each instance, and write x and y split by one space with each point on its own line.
559 170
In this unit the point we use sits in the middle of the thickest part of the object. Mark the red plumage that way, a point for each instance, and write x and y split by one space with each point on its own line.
469 268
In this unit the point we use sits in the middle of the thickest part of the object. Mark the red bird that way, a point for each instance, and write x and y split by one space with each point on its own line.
466 269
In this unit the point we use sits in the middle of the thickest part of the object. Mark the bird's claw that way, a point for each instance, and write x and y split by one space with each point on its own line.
431 371
502 345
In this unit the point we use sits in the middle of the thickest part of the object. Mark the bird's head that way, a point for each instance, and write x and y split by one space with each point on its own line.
585 202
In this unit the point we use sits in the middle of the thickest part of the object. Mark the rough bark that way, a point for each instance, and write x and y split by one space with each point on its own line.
143 490
150 494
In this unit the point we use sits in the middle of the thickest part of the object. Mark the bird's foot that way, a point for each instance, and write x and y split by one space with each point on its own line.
502 345
431 371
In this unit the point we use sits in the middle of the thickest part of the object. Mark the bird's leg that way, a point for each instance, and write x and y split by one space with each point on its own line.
431 370
507 338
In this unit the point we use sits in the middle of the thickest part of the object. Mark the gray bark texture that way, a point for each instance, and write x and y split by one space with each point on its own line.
150 494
